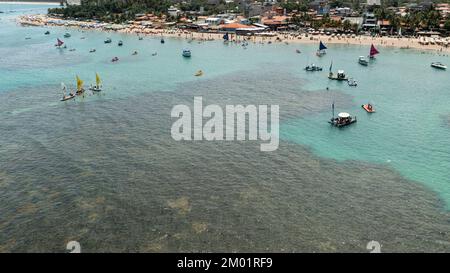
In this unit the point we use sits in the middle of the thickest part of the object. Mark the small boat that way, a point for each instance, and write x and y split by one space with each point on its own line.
92 50
439 65
108 41
27 38
340 76
120 43
352 82
298 51
97 87
134 53
321 50
162 41
115 59
362 61
80 88
373 52
66 96
313 68
72 49
154 54
186 53
141 38
59 43
199 73
343 119
368 107
67 35
47 33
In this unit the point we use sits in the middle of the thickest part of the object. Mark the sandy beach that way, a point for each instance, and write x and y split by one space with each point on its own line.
436 45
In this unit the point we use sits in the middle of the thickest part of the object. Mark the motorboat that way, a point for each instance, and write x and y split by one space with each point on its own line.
313 68
92 50
340 76
47 33
134 53
362 61
115 59
343 119
199 73
120 43
108 41
352 82
368 107
186 53
162 41
439 65
67 35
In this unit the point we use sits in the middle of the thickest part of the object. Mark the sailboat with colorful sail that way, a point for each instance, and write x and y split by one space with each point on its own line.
65 95
80 89
373 52
59 43
321 50
98 84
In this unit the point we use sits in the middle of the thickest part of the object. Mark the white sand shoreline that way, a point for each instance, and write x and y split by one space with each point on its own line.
294 38
29 3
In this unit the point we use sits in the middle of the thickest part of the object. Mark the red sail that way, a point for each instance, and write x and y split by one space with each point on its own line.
373 51
59 43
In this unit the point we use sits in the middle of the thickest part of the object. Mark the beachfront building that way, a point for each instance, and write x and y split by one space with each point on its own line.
346 11
173 11
444 9
369 21
373 2
276 22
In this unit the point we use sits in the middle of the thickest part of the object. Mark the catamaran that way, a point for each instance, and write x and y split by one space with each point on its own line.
65 95
80 89
373 52
97 87
321 50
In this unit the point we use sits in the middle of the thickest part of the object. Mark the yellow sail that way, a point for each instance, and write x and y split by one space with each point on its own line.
97 79
79 84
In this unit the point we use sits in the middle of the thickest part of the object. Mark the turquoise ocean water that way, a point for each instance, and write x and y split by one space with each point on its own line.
117 148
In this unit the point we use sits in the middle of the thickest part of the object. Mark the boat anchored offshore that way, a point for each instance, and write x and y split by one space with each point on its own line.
340 76
47 33
321 50
108 41
162 41
343 119
115 59
65 95
313 68
368 107
199 73
120 43
362 61
186 53
67 35
352 82
98 84
439 65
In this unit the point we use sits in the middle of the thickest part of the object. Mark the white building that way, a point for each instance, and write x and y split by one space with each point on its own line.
374 2
174 12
